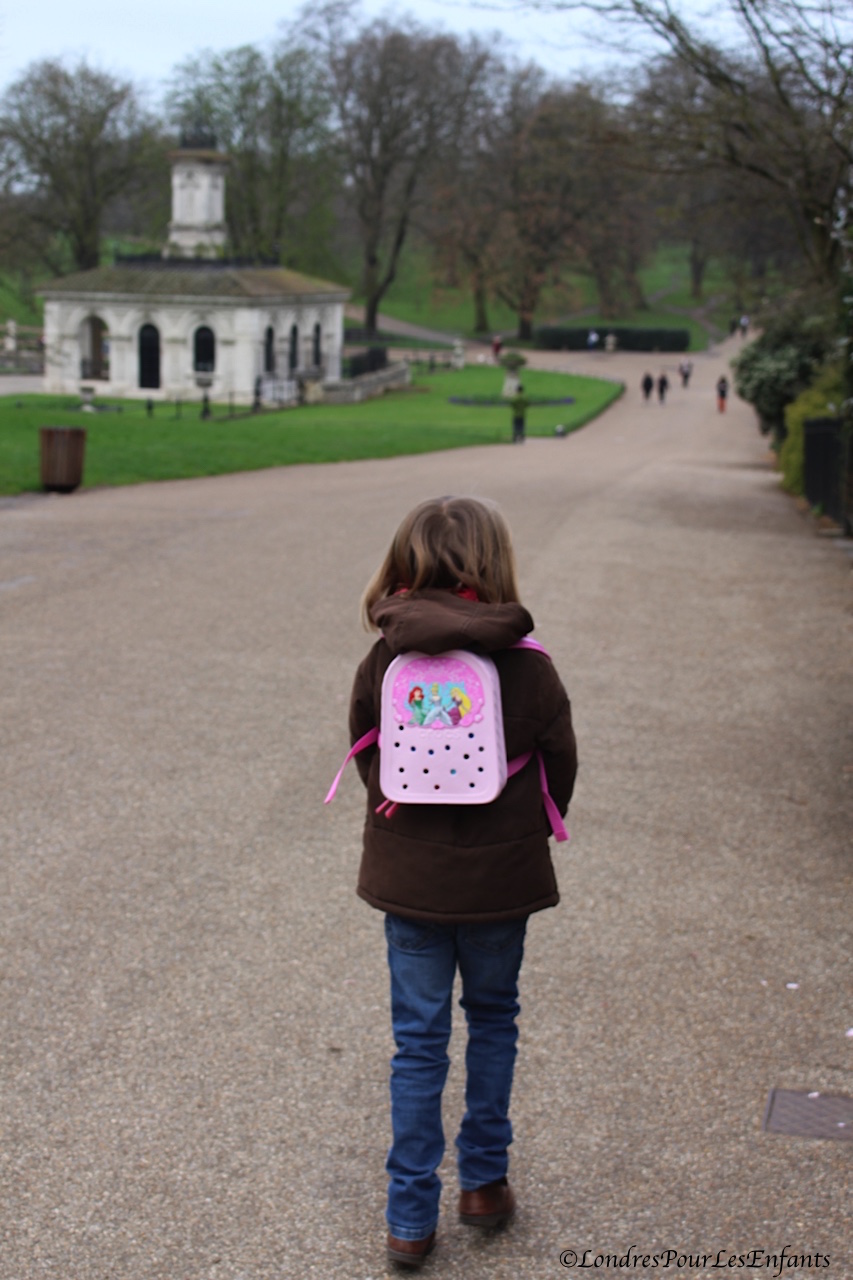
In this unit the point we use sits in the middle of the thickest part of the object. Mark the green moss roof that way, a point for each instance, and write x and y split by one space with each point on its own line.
172 278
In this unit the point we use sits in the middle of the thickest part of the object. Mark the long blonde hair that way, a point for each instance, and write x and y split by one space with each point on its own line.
447 542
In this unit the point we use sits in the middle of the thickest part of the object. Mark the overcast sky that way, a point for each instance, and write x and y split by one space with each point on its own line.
144 40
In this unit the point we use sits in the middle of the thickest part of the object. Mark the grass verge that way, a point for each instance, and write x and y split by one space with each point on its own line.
128 447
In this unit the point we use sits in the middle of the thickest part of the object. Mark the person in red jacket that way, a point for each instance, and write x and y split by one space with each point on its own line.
457 883
722 393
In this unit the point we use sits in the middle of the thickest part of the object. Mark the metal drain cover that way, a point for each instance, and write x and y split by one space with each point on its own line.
809 1115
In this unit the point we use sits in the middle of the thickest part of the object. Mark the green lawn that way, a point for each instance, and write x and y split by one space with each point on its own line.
418 298
127 447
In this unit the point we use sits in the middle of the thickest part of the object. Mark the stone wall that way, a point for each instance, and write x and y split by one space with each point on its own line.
368 385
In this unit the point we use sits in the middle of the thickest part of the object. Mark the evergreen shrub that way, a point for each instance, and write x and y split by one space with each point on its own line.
772 371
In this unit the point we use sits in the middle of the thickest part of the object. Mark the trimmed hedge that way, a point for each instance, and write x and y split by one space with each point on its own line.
559 338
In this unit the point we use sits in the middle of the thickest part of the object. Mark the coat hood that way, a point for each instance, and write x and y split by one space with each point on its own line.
433 621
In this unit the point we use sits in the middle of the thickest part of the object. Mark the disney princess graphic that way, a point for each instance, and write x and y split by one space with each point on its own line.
460 705
436 710
416 704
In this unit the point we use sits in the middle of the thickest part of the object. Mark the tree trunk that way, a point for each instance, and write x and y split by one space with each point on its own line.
698 265
376 284
372 294
602 273
639 301
87 258
371 316
86 247
759 265
608 301
526 308
481 317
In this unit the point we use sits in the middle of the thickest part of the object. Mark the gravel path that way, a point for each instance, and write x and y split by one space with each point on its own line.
194 1007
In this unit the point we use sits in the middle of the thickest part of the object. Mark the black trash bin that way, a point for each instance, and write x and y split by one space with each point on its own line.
62 450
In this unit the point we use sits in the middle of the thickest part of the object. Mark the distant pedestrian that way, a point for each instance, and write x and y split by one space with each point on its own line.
685 369
648 385
518 404
743 325
722 393
592 340
496 347
663 387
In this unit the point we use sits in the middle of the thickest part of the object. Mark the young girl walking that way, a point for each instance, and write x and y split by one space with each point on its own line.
457 882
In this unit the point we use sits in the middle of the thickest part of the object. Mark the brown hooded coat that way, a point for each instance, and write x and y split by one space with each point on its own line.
461 863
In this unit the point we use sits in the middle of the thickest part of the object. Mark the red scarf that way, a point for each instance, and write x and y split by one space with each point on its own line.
466 593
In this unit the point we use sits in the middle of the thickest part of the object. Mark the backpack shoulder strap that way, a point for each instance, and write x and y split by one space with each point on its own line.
366 740
529 643
558 827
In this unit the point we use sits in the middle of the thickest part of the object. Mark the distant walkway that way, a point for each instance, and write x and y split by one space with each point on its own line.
20 384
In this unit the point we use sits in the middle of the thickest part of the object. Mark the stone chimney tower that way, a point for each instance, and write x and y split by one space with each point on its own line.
197 229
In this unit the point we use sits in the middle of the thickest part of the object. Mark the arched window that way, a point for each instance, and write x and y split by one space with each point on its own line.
317 354
204 350
94 349
269 350
149 357
293 353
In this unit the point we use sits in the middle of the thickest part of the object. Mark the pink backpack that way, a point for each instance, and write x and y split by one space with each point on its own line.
441 737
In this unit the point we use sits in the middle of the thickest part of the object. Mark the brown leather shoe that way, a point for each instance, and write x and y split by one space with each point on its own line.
488 1206
410 1253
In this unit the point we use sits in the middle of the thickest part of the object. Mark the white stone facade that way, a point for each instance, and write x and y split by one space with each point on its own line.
75 324
198 226
192 322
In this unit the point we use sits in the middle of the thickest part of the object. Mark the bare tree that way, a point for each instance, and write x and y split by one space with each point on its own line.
570 199
538 209
718 210
400 97
778 100
72 140
544 177
615 201
467 194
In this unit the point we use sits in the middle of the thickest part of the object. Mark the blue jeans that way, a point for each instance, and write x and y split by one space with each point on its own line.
423 959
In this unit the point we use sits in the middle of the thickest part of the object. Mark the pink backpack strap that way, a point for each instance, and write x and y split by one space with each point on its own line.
529 643
366 740
558 827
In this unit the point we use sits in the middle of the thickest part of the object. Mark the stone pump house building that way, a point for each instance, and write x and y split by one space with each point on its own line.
192 321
